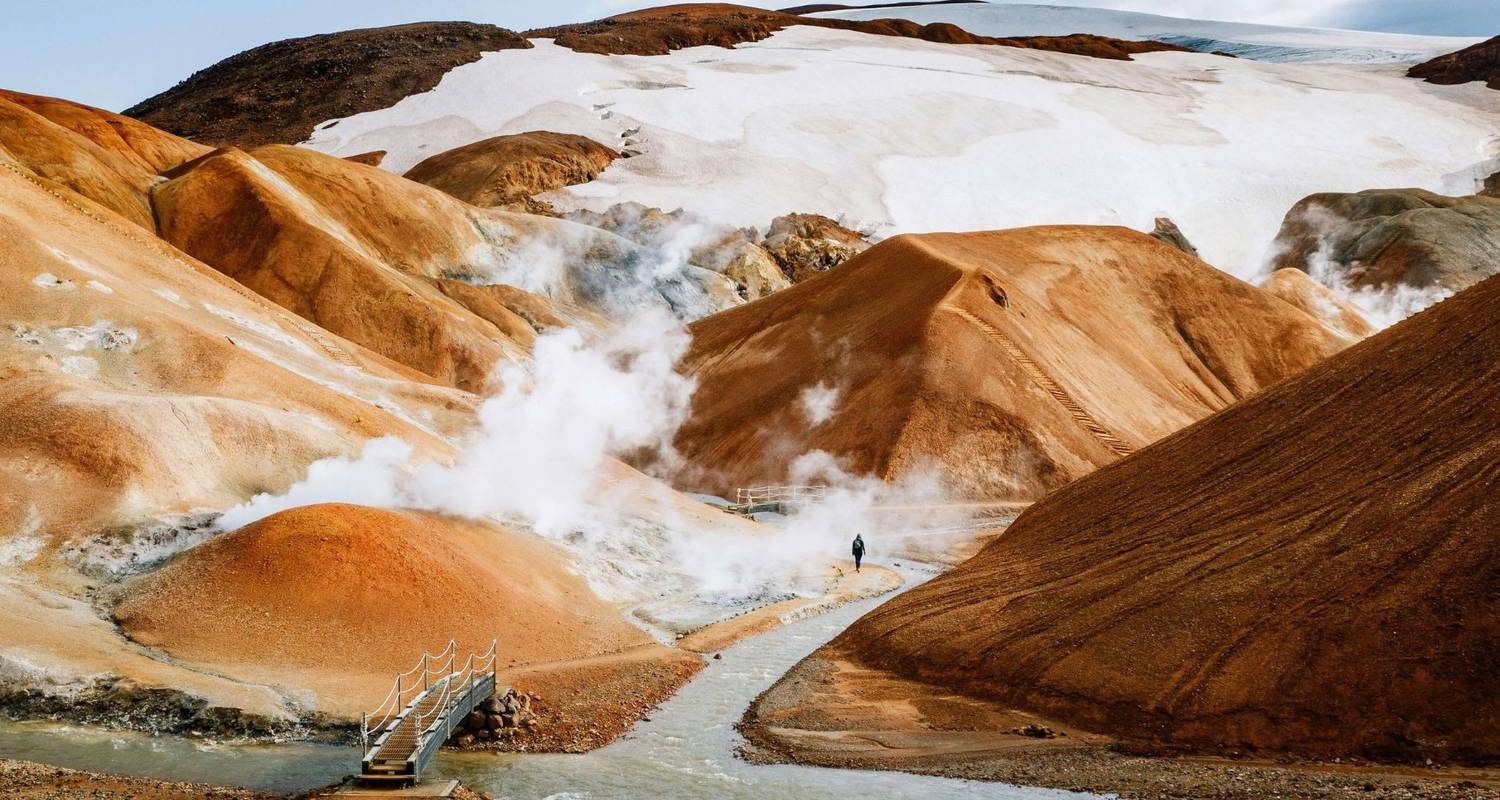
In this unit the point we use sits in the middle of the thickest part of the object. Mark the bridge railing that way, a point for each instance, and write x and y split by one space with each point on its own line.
406 688
757 495
461 691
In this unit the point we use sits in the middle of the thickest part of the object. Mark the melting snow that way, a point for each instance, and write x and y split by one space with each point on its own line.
261 329
1262 42
911 136
172 297
47 280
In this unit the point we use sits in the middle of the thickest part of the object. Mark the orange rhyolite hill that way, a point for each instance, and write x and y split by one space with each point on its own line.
1012 361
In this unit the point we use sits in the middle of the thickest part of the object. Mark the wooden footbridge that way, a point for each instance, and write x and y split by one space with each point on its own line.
778 499
420 712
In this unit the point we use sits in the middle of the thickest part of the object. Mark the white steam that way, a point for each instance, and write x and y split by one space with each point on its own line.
818 403
542 457
540 444
1383 306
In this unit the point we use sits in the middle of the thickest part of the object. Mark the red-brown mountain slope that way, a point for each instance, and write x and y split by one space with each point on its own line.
1012 361
1315 570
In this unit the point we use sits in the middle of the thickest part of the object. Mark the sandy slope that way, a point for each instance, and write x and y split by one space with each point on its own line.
140 382
1311 571
918 136
110 159
1015 361
1299 289
335 600
138 385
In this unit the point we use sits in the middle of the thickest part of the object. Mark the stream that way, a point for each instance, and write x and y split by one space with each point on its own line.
685 750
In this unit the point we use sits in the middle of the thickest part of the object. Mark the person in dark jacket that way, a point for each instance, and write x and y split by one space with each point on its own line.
859 550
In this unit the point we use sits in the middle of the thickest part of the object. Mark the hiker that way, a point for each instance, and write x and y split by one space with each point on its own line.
859 550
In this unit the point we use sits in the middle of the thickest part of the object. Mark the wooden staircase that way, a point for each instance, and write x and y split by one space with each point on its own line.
1047 384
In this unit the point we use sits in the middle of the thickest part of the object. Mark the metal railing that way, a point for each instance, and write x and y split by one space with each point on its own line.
440 697
758 495
462 690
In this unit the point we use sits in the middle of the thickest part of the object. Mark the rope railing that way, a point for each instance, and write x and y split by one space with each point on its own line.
756 495
407 686
434 673
456 684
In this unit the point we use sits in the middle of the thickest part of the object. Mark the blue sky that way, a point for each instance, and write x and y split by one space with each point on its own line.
113 54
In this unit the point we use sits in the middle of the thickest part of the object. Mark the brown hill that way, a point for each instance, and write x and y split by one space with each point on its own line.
658 31
110 159
1015 361
1384 238
142 387
140 382
402 268
337 599
503 170
277 92
820 7
1480 62
1318 301
1313 571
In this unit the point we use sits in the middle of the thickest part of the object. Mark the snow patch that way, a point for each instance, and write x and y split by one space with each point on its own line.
863 127
47 280
171 297
261 329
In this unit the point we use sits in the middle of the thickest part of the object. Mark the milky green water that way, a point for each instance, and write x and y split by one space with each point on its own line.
686 749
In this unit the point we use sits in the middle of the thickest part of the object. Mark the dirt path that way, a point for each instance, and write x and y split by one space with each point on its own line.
847 587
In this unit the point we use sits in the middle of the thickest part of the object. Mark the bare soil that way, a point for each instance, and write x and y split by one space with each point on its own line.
277 92
829 711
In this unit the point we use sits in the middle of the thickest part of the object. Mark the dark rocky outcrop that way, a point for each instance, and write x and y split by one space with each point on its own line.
1393 237
658 31
1167 232
1478 63
277 92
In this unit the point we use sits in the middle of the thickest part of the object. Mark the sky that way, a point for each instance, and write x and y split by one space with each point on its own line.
113 54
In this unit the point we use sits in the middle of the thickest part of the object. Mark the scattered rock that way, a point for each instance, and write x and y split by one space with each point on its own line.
1167 232
806 244
496 719
1036 732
